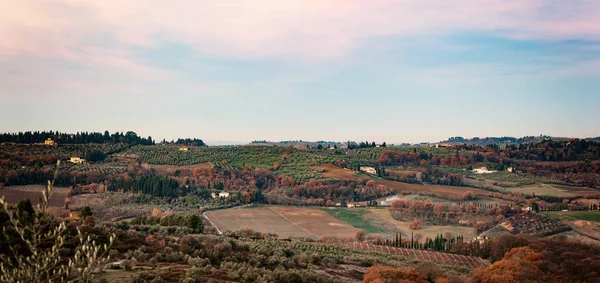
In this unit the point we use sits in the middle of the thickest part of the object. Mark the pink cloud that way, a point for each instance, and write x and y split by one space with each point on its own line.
292 30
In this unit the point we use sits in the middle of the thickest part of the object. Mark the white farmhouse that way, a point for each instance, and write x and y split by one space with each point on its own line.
368 170
76 160
483 170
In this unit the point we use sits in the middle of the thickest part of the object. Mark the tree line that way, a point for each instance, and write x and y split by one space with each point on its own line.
152 185
77 138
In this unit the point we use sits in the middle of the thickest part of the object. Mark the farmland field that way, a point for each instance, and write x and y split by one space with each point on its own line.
362 219
427 230
260 219
14 194
404 173
170 169
387 201
332 171
315 222
455 193
449 192
542 189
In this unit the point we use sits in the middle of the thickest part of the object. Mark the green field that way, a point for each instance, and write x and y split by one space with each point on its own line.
357 219
577 215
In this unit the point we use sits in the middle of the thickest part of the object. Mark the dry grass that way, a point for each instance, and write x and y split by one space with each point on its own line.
426 231
542 189
261 220
315 221
334 172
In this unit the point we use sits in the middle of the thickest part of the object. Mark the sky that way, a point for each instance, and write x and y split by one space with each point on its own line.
236 71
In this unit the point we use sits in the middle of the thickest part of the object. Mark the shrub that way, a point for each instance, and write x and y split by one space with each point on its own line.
415 225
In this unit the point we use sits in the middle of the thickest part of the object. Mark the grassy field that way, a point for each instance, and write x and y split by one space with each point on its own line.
577 215
357 218
426 231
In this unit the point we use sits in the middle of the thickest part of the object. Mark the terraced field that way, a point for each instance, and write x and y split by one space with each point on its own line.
437 257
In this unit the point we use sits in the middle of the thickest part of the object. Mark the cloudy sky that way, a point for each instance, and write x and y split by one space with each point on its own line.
399 71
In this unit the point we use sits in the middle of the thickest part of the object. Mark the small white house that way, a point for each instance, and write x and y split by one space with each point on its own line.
223 194
76 160
369 170
350 205
50 142
483 170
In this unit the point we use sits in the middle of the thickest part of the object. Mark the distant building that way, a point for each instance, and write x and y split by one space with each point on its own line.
75 216
369 170
50 142
301 147
76 160
483 170
357 204
183 148
223 194
510 169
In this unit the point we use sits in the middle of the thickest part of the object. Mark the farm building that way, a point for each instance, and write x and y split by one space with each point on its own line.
483 170
221 195
75 216
369 170
183 148
50 142
76 160
356 204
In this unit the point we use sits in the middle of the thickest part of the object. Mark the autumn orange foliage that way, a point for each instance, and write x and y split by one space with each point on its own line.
385 274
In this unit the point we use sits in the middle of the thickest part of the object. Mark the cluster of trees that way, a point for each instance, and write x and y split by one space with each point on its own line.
192 221
365 144
189 142
520 259
516 259
445 242
95 155
440 212
156 186
77 138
